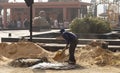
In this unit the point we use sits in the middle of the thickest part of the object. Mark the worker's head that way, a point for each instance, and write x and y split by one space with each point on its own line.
62 30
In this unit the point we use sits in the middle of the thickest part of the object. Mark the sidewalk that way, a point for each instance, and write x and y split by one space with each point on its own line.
21 33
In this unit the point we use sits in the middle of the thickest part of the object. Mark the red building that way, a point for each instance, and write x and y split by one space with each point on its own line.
67 10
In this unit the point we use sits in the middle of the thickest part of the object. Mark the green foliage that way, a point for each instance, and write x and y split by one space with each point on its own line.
90 25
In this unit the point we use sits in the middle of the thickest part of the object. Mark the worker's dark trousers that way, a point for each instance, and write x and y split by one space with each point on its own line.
72 50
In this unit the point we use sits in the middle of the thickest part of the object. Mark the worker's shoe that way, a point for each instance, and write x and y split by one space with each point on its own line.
71 62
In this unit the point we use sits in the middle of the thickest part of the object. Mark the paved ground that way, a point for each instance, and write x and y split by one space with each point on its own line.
20 33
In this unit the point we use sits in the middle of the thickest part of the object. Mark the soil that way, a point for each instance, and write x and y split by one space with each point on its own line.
91 69
92 59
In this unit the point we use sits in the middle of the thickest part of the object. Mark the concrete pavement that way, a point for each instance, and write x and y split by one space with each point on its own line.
21 33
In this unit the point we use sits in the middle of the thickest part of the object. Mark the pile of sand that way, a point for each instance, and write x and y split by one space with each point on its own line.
93 54
88 55
22 50
96 55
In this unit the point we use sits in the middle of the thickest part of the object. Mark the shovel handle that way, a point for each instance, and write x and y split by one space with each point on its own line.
64 49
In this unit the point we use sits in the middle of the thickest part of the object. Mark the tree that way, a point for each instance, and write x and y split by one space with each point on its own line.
90 25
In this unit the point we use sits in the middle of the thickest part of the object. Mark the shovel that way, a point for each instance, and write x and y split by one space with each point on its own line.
60 55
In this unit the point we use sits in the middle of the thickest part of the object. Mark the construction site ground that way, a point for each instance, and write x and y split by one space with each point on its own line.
7 69
82 57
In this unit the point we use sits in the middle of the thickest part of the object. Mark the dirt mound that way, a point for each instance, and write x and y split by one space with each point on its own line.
22 50
88 55
94 54
97 55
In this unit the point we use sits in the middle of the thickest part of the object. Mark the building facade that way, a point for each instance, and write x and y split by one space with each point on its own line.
65 11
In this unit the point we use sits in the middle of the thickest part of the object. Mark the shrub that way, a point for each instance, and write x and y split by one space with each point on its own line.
90 25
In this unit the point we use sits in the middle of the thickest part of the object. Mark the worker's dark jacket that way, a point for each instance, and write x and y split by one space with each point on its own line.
69 37
72 40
